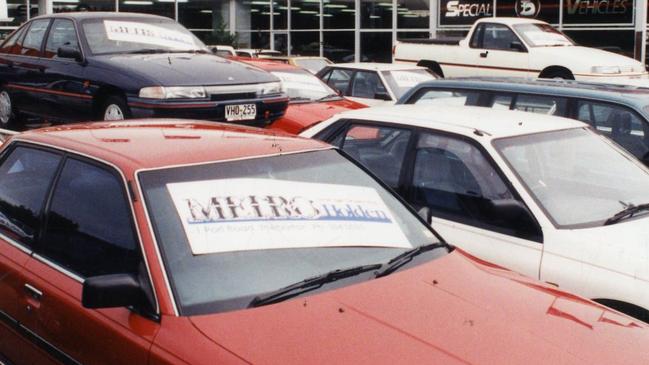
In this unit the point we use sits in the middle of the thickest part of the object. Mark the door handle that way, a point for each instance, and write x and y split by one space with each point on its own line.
484 54
33 292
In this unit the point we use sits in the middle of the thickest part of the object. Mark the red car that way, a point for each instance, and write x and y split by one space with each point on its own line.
170 242
310 100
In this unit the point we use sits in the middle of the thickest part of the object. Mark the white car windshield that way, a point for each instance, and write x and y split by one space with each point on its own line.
302 85
578 177
542 35
401 81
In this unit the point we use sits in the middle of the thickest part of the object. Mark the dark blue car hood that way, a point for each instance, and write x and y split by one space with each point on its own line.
183 69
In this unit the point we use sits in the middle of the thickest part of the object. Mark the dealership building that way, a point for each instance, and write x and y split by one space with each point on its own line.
362 30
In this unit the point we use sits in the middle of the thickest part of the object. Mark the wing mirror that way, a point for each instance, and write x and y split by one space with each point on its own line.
109 291
509 210
517 46
69 52
382 95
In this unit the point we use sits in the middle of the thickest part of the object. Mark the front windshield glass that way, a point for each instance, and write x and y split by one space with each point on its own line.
131 35
542 35
301 85
312 64
577 176
401 81
230 231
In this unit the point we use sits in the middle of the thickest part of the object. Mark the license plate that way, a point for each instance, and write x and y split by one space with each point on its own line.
240 112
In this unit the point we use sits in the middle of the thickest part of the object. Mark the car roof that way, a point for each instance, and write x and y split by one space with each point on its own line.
465 119
155 143
627 94
99 15
376 66
509 20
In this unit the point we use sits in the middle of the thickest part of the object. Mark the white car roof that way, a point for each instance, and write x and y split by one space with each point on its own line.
376 66
465 119
510 20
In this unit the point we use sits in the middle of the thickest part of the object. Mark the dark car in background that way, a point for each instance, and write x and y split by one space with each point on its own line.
620 112
112 66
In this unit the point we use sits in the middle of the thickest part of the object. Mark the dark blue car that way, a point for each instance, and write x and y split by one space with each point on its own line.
112 66
616 111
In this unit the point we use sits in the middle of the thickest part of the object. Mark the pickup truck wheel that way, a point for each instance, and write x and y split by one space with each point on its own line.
8 114
114 108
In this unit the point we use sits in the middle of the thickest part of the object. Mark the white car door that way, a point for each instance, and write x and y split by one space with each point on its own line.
495 50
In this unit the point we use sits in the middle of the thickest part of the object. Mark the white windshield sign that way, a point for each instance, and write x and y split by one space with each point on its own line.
135 32
300 81
410 78
261 214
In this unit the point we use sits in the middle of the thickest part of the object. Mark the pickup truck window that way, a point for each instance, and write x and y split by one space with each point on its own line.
542 35
620 124
476 38
498 37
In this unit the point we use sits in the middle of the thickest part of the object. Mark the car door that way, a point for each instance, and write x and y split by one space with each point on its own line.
619 123
495 50
68 96
367 88
25 176
88 231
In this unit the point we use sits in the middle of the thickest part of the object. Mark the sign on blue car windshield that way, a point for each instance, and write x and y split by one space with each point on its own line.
144 33
262 214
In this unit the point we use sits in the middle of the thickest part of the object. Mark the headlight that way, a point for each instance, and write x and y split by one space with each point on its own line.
270 88
173 92
606 70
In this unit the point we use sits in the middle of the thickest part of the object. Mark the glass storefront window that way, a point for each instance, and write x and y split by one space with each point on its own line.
280 14
338 14
376 14
204 14
16 14
305 43
65 6
413 13
253 15
338 46
618 41
305 14
376 47
413 35
160 7
255 40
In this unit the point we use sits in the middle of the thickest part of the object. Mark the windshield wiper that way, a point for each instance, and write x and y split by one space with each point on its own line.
146 51
309 284
299 98
328 97
629 211
405 257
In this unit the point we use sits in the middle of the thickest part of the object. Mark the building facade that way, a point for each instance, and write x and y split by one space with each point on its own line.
362 30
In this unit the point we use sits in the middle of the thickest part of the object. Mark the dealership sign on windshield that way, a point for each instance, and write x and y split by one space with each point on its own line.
466 12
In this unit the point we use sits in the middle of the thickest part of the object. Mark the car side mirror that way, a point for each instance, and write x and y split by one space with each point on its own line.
109 291
509 210
517 46
69 52
382 96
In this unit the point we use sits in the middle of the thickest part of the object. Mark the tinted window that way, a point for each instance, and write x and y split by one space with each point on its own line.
380 149
477 34
455 181
34 37
339 79
25 177
498 36
541 104
61 34
367 85
446 97
618 123
89 228
12 44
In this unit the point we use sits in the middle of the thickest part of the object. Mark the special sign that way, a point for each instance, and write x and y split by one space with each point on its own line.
261 214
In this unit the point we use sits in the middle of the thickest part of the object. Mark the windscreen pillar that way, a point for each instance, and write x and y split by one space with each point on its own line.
640 38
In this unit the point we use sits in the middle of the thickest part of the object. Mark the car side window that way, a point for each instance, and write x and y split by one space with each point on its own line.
455 181
619 123
476 38
25 177
541 104
498 37
381 149
12 45
61 34
501 101
89 229
339 79
445 97
34 37
368 85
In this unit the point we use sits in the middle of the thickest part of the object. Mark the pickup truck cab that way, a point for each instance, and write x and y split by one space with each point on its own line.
519 48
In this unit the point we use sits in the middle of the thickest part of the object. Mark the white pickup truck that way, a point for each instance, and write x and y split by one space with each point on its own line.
516 47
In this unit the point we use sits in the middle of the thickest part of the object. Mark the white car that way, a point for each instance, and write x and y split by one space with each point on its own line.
374 84
541 195
517 47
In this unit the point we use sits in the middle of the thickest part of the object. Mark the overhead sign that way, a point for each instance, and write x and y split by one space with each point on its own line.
262 214
546 10
598 12
464 12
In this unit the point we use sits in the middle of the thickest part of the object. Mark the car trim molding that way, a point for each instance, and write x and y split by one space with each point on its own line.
475 66
48 91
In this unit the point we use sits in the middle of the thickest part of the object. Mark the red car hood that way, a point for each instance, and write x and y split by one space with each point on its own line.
300 116
451 310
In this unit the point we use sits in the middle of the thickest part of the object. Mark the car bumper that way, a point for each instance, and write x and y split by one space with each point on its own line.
268 110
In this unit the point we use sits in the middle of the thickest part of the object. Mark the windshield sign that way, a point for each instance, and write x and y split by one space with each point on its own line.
542 35
402 80
147 34
227 215
303 85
